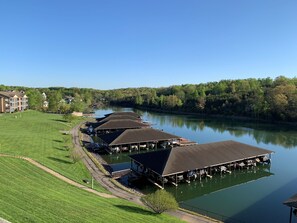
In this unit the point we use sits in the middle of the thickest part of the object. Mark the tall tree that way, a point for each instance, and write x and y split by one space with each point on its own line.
54 98
35 99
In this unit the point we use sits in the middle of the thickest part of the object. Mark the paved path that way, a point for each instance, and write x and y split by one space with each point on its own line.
61 177
106 183
97 174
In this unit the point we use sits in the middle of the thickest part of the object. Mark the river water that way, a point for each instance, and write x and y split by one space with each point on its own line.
254 195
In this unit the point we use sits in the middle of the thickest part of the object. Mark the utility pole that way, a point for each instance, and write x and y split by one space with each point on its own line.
92 182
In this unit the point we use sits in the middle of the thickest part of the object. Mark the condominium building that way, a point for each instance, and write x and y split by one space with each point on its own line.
11 101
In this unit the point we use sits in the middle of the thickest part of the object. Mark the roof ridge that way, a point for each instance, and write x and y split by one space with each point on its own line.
166 160
120 135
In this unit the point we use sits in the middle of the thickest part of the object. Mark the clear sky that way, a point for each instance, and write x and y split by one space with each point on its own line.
107 44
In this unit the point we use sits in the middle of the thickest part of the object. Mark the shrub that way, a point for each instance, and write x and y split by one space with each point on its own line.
68 117
160 201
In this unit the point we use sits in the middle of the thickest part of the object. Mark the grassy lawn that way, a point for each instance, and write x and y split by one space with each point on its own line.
38 135
30 195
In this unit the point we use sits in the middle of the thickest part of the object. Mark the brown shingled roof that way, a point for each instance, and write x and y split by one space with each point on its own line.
118 117
10 93
124 113
181 159
120 124
292 201
131 136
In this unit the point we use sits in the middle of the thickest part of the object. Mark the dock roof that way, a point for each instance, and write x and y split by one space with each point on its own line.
121 124
180 159
292 201
118 117
131 136
123 113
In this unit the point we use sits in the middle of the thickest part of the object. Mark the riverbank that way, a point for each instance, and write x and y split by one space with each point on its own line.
213 116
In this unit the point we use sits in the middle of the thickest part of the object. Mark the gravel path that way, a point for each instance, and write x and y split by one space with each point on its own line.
97 174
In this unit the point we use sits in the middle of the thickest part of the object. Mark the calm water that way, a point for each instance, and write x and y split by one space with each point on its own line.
248 196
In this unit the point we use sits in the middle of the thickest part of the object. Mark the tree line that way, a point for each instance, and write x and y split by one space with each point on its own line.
60 100
269 99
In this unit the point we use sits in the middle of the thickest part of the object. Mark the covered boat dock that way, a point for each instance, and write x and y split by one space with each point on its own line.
120 115
119 124
187 163
134 114
138 139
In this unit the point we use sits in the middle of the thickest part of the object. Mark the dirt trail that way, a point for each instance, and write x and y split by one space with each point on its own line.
61 177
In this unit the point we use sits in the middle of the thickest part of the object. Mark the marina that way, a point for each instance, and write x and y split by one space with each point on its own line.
183 164
254 194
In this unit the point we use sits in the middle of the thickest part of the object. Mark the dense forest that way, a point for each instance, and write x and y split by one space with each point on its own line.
267 99
255 98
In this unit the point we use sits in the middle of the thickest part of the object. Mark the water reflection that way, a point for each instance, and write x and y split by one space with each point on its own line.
282 135
262 132
185 191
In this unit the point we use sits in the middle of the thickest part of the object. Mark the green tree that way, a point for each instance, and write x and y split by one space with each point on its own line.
54 98
160 201
283 100
78 105
138 99
35 99
172 101
68 117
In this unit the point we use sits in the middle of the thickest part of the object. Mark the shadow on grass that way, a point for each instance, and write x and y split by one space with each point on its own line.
59 148
56 140
137 210
60 160
60 120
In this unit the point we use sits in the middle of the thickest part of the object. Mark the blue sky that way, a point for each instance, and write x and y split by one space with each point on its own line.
107 44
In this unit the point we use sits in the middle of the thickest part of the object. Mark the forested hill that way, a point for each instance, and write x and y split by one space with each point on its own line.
268 99
256 98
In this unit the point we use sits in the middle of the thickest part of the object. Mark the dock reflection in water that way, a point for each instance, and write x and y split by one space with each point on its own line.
197 188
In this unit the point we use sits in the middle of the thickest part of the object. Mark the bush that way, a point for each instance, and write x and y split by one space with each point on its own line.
68 117
160 201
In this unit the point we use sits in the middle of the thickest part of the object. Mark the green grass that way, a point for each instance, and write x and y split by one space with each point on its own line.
38 135
29 194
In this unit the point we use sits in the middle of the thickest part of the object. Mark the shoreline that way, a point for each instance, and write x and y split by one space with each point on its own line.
215 116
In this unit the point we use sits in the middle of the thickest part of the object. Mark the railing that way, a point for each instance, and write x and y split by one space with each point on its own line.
210 214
